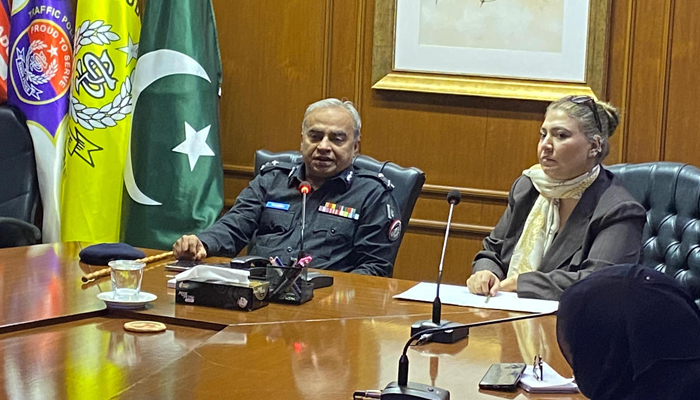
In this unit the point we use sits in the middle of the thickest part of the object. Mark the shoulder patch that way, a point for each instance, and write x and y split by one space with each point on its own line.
272 165
378 176
394 230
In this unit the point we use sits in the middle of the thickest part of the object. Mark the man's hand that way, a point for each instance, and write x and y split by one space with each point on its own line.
189 247
484 282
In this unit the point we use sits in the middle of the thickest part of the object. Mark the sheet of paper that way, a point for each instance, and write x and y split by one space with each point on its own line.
460 296
552 383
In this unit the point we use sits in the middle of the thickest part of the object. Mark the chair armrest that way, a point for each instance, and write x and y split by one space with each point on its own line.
15 232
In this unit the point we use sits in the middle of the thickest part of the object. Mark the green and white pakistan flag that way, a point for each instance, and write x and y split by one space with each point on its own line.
173 174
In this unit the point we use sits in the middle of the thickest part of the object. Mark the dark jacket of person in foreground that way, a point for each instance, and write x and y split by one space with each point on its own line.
631 333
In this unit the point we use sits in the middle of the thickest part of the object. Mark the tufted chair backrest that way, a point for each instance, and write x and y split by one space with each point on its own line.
670 192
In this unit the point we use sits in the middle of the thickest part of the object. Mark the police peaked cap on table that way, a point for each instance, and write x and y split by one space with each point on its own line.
101 254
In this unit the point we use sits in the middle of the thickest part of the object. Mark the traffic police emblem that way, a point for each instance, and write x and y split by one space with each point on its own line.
43 58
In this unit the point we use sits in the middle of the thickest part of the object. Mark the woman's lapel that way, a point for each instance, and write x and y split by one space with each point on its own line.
570 239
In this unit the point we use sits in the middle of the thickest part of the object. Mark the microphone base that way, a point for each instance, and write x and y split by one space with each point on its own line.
413 391
450 336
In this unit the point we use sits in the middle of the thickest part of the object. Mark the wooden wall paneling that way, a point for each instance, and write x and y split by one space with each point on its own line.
491 212
432 205
346 33
232 189
419 257
236 178
621 32
512 134
645 115
275 62
682 142
274 59
434 208
360 51
664 95
439 134
327 45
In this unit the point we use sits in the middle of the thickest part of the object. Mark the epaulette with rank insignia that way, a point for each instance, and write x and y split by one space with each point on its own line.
274 164
377 176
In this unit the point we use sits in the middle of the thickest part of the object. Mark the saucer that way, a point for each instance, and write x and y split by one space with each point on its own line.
133 303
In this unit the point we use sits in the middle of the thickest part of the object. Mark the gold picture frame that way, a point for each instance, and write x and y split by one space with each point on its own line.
385 77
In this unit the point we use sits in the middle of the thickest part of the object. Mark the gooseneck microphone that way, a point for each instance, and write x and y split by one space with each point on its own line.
291 289
403 390
304 188
447 335
453 198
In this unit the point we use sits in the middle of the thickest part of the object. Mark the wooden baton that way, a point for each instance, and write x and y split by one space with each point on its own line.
105 271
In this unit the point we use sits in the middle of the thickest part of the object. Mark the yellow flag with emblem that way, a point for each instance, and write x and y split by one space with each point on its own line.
106 44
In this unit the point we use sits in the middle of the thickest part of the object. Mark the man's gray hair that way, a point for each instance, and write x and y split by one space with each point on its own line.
333 103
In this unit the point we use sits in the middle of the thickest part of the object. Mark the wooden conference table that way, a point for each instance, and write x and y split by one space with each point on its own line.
57 340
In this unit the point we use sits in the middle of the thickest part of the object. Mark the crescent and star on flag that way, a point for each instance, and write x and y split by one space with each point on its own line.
195 144
149 68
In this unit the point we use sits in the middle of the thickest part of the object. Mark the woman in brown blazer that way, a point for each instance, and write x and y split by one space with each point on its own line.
567 216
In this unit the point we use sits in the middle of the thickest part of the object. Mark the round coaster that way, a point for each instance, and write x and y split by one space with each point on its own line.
144 326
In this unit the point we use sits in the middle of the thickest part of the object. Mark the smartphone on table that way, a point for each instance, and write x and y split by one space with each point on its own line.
502 376
181 265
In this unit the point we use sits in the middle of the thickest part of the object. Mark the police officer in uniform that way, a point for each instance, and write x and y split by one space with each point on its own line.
352 220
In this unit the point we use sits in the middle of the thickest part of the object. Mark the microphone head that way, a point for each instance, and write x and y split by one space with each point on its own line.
454 197
305 187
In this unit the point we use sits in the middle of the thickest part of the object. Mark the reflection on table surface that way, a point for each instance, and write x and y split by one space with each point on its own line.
88 359
57 340
331 359
47 280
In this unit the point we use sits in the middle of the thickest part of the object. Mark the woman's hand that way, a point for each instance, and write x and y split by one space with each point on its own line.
510 284
484 282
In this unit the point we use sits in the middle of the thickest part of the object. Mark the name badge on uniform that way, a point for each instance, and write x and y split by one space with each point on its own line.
277 206
335 209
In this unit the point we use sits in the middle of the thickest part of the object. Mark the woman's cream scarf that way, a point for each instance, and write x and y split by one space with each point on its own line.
542 223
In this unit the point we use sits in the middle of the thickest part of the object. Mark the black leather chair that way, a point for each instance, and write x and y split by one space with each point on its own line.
19 188
670 192
408 182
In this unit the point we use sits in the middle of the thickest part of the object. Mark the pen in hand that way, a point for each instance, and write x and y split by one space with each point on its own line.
488 297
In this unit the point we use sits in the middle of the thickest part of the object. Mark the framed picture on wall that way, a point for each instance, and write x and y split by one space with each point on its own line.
524 49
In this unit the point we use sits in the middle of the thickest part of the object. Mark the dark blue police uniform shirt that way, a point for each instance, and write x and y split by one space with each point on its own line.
267 214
